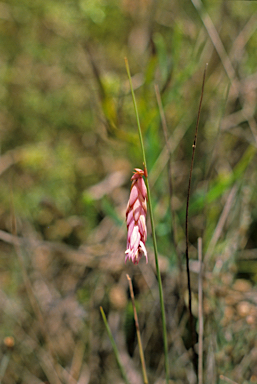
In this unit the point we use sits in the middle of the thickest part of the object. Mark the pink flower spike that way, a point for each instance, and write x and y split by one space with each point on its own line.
136 218
133 195
138 173
142 187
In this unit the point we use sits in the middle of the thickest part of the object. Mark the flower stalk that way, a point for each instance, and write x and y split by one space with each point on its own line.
153 230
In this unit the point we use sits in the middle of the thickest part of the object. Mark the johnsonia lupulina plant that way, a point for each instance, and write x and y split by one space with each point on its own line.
153 229
136 218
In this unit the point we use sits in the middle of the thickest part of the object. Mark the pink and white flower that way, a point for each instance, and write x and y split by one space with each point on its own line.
136 218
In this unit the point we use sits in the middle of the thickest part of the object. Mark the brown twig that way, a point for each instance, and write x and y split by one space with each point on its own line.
227 379
193 332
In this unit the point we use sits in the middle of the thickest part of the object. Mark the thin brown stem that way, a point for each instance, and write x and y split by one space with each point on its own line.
193 332
141 352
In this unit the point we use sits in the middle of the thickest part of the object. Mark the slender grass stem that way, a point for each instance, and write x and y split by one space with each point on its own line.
165 342
200 313
141 352
114 346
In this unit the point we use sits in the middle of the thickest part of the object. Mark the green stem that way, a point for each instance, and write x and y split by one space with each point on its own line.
115 349
153 231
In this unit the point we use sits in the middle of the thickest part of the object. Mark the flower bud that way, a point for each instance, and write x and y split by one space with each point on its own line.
136 218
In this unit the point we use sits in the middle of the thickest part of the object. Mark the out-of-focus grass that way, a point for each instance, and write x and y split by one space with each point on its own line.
67 126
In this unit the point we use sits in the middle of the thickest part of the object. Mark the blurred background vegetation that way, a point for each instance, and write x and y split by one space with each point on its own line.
68 148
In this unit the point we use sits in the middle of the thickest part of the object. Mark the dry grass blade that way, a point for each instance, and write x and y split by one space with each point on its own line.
115 349
227 379
221 223
243 37
225 60
3 366
77 361
178 134
214 36
141 351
